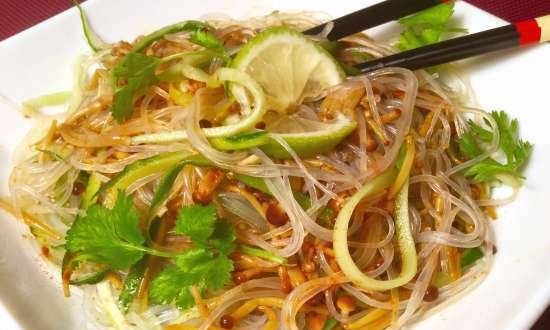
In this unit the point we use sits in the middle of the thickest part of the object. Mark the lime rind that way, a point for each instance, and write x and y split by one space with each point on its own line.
239 142
309 144
305 144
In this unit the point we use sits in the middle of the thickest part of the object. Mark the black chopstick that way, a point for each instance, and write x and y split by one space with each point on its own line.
513 35
372 16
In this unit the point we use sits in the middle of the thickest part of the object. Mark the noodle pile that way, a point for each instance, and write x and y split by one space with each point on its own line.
409 118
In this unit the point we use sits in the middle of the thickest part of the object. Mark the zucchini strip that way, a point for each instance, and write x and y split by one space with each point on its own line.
245 124
156 164
93 39
405 170
405 240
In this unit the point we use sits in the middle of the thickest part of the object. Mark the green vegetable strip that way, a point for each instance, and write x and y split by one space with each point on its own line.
93 278
94 41
263 254
163 190
404 237
195 58
302 199
241 141
165 185
231 76
67 267
330 324
145 167
69 263
470 256
89 196
189 62
48 100
131 285
137 271
253 182
174 28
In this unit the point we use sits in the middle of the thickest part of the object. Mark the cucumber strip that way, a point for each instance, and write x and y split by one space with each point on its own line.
405 240
94 41
144 167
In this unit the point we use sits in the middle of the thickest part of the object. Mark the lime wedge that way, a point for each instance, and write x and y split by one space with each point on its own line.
305 136
288 66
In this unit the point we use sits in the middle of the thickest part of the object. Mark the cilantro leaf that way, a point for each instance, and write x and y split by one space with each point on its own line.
109 237
201 224
516 150
196 221
208 270
133 65
219 273
173 285
139 71
205 266
435 16
480 132
488 170
222 238
468 145
125 217
426 27
195 267
190 260
408 40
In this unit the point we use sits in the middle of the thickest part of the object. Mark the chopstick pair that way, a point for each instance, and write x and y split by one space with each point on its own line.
513 35
522 33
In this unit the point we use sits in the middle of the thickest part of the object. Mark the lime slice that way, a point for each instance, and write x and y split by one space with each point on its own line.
288 66
305 136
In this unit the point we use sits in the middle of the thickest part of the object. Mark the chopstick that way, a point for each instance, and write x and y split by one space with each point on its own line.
513 35
372 16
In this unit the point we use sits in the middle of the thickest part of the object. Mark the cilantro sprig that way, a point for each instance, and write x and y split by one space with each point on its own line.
517 151
205 266
110 237
427 26
139 72
136 71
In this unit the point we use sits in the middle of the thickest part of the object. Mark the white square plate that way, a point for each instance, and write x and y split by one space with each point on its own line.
38 61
